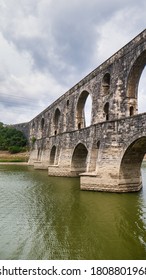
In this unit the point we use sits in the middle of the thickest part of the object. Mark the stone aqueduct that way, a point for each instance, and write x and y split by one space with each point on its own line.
106 155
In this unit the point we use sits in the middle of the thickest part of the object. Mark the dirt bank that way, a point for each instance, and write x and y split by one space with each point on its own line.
6 157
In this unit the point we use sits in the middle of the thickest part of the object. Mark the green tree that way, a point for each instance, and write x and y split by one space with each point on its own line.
11 139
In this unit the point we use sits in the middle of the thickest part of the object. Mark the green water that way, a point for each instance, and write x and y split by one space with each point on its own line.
43 217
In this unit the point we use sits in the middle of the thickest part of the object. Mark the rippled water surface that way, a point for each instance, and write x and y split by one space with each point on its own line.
43 217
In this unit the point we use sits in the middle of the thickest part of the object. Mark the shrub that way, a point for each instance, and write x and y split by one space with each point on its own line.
15 149
33 140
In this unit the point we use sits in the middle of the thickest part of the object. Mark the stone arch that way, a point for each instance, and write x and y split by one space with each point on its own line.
52 155
79 159
56 121
133 80
106 111
80 109
130 167
106 83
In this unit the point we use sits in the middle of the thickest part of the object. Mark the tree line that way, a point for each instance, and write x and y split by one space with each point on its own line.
11 139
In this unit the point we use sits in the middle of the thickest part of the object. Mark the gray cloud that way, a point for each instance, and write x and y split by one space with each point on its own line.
58 35
47 45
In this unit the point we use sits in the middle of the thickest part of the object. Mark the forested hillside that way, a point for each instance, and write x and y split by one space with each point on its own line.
11 139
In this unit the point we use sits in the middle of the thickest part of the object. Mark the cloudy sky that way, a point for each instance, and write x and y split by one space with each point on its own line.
47 46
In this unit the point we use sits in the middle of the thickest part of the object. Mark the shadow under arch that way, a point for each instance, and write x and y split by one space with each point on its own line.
52 155
79 159
130 168
81 115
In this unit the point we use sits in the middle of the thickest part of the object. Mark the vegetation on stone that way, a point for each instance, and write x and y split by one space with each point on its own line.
11 139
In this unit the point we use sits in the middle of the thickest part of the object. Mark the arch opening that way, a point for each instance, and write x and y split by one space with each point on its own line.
131 111
84 110
56 121
79 159
67 103
136 83
106 111
106 83
52 155
42 123
130 169
142 92
88 110
98 144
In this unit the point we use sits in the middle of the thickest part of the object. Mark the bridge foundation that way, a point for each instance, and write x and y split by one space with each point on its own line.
94 183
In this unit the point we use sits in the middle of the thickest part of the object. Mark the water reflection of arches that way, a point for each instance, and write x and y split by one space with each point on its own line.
52 155
82 115
133 81
79 159
130 167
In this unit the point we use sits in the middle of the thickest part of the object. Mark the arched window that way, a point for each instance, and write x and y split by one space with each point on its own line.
67 103
131 110
79 126
56 116
56 121
106 83
98 145
106 111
